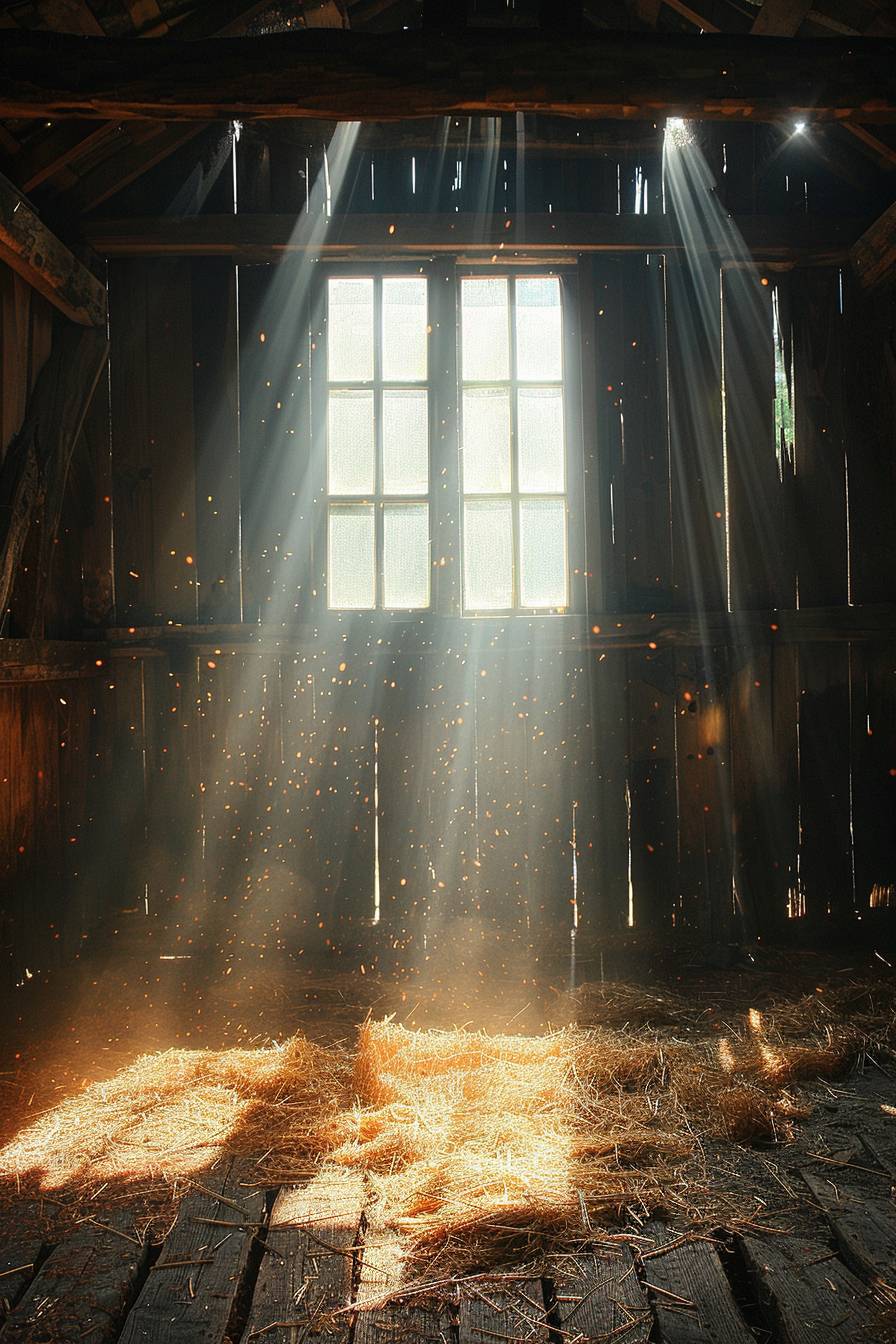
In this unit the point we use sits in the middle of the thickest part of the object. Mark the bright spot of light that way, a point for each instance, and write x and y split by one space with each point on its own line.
678 133
799 127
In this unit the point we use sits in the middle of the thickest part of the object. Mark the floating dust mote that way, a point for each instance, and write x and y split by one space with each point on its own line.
173 1114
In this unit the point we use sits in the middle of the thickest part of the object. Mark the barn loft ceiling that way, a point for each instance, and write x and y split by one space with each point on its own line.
75 167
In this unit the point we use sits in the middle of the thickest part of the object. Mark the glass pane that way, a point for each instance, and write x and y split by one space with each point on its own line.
540 438
406 555
351 448
539 338
405 441
486 441
404 329
488 555
351 581
485 336
542 553
350 330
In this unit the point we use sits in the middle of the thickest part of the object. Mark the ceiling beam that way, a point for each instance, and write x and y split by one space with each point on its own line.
880 150
874 255
351 76
28 246
783 240
780 18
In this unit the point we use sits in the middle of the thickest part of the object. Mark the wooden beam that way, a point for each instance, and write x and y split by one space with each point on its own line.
23 660
127 164
36 464
780 18
874 255
786 240
28 246
874 624
324 14
395 76
48 154
883 152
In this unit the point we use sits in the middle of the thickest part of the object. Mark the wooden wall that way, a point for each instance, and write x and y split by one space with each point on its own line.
705 753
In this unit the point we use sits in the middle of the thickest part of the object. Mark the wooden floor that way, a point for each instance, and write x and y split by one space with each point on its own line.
303 1264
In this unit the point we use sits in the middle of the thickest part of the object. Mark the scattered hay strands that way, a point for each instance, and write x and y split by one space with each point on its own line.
474 1147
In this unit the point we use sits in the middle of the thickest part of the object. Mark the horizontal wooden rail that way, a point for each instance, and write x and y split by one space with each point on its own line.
790 240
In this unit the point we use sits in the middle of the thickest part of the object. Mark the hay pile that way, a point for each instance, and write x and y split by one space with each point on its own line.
478 1147
473 1148
175 1113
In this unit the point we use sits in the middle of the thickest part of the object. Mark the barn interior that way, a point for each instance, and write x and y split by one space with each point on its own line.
447 671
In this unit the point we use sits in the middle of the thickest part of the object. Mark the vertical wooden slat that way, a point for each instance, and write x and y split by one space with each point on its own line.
825 802
152 448
652 789
607 531
96 531
216 425
820 479
699 538
131 468
873 682
171 445
647 521
704 788
823 579
760 495
755 496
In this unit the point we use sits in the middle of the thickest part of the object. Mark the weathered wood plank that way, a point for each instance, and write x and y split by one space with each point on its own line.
36 464
515 1310
808 1295
83 1288
217 433
353 75
873 256
864 1227
29 247
598 1297
307 1271
785 240
21 1246
691 1272
188 1296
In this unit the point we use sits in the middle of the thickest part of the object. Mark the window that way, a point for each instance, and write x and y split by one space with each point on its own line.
377 424
513 452
510 475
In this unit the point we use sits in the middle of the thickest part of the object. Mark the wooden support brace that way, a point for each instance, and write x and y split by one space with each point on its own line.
28 246
874 255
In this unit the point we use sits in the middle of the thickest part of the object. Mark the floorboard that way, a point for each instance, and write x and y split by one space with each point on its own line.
864 1226
690 1291
809 1296
190 1291
599 1296
83 1288
511 1310
21 1247
307 1271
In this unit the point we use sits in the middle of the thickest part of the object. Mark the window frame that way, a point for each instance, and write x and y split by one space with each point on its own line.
444 385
